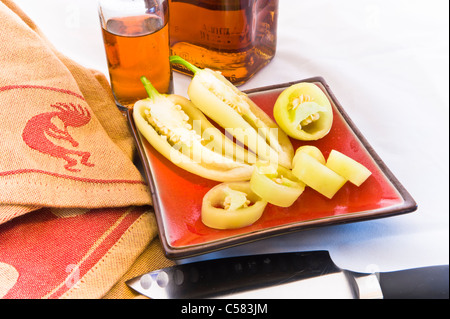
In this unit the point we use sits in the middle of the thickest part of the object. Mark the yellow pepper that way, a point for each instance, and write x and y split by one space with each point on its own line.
231 206
316 175
182 134
276 184
347 167
311 150
304 112
221 101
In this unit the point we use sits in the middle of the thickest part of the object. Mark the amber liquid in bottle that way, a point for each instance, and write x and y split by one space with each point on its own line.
236 37
135 49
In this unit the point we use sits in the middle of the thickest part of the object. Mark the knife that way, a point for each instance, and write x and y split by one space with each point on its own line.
299 275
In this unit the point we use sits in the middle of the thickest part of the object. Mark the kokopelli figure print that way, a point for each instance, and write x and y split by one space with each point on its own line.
40 127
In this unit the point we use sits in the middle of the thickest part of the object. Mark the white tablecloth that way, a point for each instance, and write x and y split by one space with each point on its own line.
388 64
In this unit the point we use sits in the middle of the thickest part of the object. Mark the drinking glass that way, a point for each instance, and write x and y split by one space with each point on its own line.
136 39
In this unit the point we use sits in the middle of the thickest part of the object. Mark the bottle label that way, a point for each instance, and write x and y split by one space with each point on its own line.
208 26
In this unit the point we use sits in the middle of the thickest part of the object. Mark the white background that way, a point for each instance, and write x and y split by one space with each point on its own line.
387 62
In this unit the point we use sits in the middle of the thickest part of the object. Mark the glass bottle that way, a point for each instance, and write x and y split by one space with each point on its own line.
236 37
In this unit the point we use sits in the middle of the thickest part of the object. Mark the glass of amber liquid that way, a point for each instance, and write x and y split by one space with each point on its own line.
136 39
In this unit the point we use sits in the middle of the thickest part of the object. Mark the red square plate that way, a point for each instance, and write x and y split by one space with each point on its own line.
177 194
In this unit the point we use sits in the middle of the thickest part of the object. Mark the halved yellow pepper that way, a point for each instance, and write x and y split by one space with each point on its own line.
177 129
221 101
275 184
304 112
231 206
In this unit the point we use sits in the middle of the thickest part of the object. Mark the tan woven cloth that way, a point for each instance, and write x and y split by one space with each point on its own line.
64 142
151 259
69 191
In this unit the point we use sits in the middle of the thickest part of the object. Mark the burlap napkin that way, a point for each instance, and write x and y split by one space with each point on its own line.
65 151
64 143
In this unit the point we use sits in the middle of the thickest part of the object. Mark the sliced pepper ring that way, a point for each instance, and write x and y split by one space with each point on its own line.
231 206
304 112
276 184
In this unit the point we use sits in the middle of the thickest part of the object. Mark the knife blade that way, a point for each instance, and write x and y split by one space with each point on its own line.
299 275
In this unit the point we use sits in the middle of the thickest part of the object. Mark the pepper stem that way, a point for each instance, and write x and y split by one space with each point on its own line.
178 60
149 88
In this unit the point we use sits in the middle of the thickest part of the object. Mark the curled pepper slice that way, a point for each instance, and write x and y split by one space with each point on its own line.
231 205
182 134
232 109
348 168
316 175
276 184
304 112
311 150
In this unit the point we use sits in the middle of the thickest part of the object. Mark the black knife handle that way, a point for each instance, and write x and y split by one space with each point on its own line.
418 283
